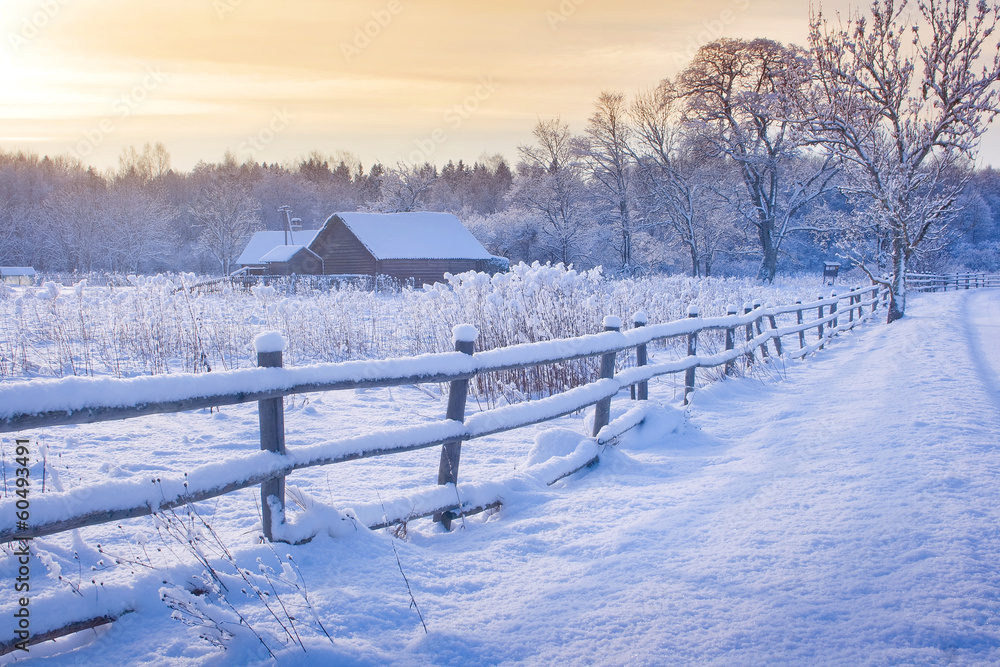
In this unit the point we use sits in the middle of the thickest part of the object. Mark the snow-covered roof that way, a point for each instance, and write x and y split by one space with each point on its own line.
264 242
281 253
16 271
420 235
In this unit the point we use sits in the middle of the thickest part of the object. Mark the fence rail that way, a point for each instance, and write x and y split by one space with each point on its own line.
941 282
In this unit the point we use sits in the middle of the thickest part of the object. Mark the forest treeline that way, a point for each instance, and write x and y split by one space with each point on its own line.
59 215
758 157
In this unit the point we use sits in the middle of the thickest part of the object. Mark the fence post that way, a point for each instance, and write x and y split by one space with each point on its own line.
271 415
850 306
833 311
798 318
692 351
730 338
760 330
602 411
641 359
747 307
819 329
774 327
464 336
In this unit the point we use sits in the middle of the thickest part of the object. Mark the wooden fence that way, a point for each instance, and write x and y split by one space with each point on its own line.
747 337
750 337
941 282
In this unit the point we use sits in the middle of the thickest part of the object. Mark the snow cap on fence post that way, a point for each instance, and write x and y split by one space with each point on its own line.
747 307
692 310
612 323
731 309
466 333
640 319
269 341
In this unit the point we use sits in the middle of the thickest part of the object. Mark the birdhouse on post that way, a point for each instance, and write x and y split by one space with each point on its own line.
830 270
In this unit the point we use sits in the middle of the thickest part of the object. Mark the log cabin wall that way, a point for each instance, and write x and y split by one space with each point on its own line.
341 250
424 270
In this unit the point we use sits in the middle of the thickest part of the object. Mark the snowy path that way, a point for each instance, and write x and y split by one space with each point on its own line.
844 510
849 514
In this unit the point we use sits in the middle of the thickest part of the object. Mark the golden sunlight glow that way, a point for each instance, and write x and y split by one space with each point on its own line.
272 81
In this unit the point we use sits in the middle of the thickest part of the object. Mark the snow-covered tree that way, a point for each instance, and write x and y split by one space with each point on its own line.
550 183
227 214
403 188
608 159
744 98
136 219
674 180
905 102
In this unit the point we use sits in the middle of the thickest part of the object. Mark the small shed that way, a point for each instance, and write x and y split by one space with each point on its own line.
263 254
17 275
285 260
830 271
407 246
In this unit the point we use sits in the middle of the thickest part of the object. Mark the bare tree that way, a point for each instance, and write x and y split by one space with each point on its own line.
76 227
137 220
227 213
403 188
550 183
906 118
152 163
744 97
673 179
609 161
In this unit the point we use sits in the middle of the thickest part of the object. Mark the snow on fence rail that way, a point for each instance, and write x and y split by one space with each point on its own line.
941 282
87 400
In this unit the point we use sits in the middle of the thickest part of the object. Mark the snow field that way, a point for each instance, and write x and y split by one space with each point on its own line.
844 510
746 537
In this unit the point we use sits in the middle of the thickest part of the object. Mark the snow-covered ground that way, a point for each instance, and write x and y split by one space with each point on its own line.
844 509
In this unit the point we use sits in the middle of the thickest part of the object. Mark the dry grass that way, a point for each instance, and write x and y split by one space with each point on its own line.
152 327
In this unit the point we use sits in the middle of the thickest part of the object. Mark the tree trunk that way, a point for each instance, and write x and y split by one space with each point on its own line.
897 290
769 261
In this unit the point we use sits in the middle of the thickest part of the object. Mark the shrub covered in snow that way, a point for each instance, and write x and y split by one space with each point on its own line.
156 325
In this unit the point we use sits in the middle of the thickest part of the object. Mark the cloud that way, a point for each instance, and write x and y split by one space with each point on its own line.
228 63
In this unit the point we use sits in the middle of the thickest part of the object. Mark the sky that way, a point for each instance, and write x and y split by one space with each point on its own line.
385 80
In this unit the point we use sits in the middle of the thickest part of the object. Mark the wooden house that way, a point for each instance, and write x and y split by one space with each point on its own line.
17 275
407 246
276 253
